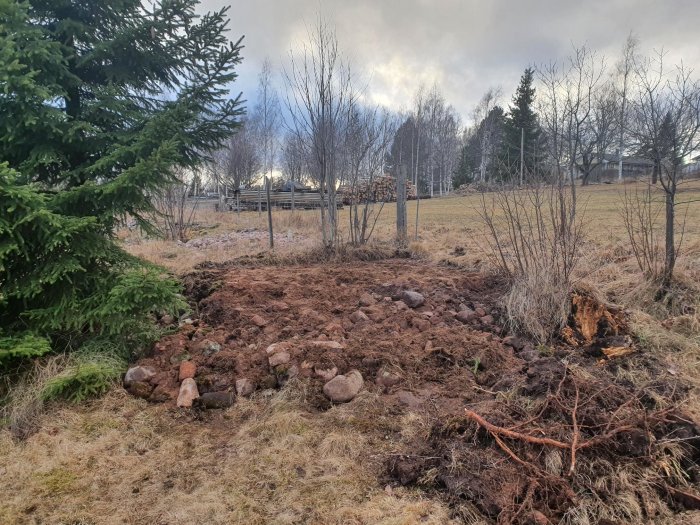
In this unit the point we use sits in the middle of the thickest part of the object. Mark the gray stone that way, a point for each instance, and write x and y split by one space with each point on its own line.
141 374
210 347
412 299
244 387
216 399
344 388
188 393
409 399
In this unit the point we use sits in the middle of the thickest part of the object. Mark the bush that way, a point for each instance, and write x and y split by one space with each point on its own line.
533 236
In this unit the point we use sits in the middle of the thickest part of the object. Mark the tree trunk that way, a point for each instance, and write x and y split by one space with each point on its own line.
670 248
401 221
268 183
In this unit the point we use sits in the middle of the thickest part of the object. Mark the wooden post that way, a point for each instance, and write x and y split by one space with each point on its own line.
522 155
401 221
268 183
259 201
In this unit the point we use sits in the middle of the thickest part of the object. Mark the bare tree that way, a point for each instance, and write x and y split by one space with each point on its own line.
665 127
625 68
368 135
487 142
319 96
598 133
268 117
174 211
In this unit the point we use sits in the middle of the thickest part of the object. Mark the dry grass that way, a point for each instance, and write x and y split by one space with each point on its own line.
264 461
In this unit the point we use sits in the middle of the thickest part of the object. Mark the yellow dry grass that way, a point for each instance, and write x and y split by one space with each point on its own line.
263 461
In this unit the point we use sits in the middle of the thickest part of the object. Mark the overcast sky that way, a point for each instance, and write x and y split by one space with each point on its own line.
465 46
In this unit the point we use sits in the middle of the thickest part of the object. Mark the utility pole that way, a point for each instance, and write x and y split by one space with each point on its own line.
522 154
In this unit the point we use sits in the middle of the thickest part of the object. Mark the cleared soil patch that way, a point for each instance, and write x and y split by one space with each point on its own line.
498 429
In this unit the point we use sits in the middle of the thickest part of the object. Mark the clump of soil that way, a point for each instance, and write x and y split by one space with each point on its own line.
517 434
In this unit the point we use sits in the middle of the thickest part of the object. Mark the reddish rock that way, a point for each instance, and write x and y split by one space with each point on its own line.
487 319
188 393
344 388
279 358
278 306
367 300
408 399
258 321
466 316
358 317
400 305
187 370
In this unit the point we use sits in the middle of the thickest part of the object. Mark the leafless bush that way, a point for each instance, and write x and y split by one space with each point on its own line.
174 211
641 216
533 236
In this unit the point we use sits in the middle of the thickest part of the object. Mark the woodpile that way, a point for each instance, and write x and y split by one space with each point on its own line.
381 189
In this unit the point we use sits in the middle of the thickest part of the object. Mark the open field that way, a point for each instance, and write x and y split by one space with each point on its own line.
401 452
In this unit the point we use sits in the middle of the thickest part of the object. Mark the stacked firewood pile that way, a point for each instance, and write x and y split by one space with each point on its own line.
382 189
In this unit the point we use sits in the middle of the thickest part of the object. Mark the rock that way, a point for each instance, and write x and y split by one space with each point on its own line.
187 370
275 347
176 359
244 387
400 305
428 346
278 306
258 321
188 393
480 312
279 358
329 345
344 388
516 342
216 399
268 381
138 374
358 316
487 319
412 299
421 324
465 316
366 300
409 399
326 373
210 347
387 379
140 389
167 320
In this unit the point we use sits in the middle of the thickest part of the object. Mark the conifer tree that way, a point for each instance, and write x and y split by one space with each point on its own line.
521 124
100 101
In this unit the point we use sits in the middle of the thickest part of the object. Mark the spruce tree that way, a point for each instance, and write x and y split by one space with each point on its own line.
522 123
100 101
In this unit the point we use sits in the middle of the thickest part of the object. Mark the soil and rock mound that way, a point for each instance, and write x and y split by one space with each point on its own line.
519 433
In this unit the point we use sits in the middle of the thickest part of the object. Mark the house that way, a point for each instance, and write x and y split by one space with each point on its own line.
632 168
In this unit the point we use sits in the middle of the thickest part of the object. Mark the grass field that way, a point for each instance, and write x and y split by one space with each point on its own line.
268 460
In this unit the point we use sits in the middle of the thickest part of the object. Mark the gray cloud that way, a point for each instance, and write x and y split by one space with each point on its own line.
465 46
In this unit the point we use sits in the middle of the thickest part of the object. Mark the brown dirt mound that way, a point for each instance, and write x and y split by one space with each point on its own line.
531 413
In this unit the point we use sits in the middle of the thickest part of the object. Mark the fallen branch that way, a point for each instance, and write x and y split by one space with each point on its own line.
574 439
494 429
